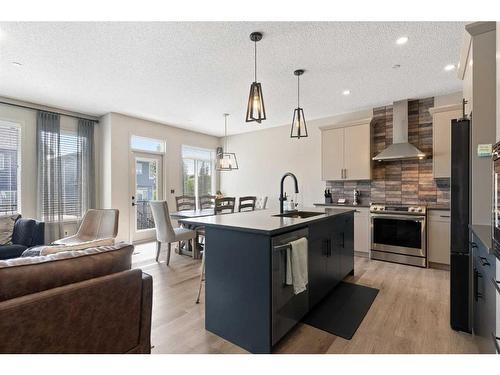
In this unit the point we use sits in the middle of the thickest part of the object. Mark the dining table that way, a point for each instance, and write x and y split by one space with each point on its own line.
186 249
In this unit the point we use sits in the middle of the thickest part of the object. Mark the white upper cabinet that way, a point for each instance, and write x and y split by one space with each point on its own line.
332 152
346 152
441 138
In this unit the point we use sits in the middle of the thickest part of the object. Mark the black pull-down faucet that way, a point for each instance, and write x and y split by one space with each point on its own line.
282 197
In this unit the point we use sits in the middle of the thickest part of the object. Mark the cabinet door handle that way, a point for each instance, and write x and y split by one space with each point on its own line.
444 215
477 275
484 261
473 245
329 253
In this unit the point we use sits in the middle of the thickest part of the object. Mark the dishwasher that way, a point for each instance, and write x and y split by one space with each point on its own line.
288 308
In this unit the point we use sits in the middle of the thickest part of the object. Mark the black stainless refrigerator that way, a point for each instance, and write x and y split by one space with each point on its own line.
460 279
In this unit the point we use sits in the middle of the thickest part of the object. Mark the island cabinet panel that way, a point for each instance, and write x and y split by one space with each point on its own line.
238 287
331 255
345 238
484 296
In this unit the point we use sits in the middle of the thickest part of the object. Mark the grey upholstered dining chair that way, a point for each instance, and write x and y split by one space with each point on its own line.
97 224
165 232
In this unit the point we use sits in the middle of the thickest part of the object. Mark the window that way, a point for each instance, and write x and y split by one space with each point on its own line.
9 176
69 155
197 171
71 205
146 144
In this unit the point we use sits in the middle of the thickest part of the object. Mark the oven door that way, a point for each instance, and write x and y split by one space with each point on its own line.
402 234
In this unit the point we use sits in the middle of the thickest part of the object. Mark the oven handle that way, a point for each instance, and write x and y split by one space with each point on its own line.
398 217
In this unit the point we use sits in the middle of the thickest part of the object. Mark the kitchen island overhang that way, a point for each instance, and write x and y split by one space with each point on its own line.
244 303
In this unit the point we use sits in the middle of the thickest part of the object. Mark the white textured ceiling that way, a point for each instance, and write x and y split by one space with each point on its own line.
188 74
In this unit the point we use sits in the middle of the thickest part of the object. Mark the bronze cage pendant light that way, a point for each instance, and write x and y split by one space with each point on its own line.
226 161
256 110
299 127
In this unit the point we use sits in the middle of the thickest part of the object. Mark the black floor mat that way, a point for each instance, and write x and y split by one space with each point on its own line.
343 310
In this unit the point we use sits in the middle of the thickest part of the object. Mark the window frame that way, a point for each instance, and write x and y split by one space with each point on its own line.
213 185
20 134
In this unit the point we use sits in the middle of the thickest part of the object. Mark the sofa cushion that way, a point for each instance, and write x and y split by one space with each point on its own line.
11 251
22 276
23 232
7 223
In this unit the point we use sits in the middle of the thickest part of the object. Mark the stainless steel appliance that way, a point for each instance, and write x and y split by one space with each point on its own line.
496 197
398 234
288 308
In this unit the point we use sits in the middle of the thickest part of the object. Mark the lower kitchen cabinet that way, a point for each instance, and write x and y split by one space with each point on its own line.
438 232
362 230
484 287
331 255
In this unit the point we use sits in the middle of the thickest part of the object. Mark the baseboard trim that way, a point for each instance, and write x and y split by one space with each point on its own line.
361 254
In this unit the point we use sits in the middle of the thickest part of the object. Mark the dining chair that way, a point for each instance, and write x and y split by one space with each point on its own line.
261 203
223 205
185 203
165 232
246 204
206 202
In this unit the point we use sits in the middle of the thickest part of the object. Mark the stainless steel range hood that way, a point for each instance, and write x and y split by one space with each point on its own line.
400 148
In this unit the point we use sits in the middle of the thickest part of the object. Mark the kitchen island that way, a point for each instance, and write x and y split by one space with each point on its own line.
246 299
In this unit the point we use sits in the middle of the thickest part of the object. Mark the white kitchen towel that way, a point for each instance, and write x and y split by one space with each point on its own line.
296 265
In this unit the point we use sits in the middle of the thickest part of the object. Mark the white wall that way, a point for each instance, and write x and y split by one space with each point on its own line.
265 155
116 162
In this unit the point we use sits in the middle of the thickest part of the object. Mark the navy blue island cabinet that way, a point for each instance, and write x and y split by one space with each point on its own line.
247 301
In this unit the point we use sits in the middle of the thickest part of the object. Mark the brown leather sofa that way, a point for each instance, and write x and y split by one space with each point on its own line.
87 301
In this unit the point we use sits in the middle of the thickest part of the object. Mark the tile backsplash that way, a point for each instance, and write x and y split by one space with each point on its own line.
403 181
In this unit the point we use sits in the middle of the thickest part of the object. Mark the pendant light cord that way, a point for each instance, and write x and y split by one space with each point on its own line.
298 91
225 133
255 59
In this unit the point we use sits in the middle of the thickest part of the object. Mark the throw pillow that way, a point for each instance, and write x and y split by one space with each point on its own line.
7 228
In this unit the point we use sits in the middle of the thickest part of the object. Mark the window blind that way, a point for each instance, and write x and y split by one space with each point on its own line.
9 154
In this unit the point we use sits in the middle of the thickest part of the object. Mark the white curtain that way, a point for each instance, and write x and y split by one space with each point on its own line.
49 178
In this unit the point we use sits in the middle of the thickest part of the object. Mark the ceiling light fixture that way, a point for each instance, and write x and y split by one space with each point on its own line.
299 127
449 67
16 63
226 161
256 110
346 92
402 40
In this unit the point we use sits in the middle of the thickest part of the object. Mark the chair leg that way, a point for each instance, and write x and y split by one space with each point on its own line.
158 248
201 277
169 247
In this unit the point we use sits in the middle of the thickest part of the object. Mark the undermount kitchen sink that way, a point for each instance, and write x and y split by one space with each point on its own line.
299 214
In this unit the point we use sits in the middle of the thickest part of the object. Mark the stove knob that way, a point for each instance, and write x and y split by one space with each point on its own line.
419 209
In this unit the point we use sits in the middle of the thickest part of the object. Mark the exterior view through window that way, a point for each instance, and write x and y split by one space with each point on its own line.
197 171
9 154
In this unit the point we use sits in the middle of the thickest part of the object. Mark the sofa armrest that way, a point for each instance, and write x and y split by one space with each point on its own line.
144 346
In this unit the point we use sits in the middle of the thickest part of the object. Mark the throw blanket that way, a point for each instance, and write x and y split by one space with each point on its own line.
52 249
7 228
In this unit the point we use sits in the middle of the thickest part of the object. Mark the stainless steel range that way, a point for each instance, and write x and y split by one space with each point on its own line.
398 234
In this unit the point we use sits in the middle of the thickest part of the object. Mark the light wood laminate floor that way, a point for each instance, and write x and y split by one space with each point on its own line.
409 315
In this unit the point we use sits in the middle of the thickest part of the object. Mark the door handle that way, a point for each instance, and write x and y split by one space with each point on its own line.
133 200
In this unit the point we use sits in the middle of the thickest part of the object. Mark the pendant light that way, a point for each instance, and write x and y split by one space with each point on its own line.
226 161
255 108
299 127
